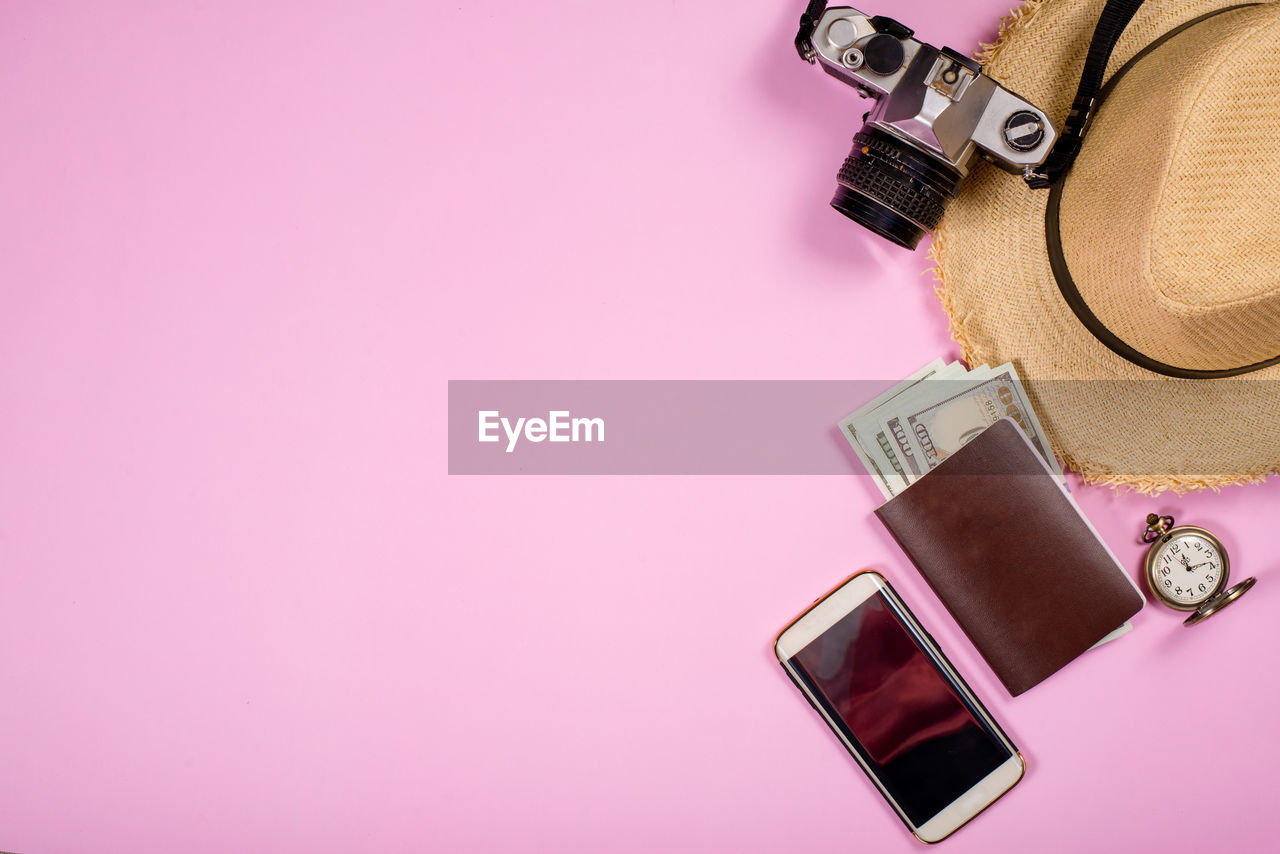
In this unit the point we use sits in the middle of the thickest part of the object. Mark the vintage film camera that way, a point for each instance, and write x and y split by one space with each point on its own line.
935 114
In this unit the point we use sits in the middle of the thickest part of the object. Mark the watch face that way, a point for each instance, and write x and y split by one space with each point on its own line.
1188 568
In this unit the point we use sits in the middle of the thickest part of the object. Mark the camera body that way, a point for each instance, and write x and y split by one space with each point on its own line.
936 113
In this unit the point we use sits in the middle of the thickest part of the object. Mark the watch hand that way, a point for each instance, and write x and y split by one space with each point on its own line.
1195 565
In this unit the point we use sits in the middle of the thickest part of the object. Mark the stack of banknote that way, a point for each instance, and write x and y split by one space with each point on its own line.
912 427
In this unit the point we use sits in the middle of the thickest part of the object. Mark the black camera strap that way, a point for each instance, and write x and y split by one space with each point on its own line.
808 20
1058 262
1111 23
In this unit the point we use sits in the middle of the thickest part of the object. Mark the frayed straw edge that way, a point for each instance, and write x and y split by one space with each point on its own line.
1017 18
943 293
1154 485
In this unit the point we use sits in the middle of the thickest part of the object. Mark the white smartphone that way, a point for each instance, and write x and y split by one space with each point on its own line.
881 683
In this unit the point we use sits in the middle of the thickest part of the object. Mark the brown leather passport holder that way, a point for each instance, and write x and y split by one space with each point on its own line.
1011 557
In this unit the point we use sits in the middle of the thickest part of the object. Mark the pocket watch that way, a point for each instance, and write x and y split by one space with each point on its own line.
1187 569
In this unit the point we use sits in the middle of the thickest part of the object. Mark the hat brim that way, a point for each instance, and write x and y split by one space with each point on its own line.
1109 419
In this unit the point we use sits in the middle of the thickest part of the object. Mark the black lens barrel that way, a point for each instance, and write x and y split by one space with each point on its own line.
893 188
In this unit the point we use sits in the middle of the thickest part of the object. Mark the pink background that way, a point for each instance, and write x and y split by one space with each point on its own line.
244 607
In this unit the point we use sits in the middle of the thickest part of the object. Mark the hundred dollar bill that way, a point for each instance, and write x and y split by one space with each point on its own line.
907 459
873 445
891 430
873 451
894 430
938 429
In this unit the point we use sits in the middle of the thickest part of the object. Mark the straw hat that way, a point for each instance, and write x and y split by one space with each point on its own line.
1166 227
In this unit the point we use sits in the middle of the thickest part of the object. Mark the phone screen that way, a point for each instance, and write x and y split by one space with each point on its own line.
916 732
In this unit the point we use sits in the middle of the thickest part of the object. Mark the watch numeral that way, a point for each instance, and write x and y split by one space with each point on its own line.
1164 570
1177 590
1209 578
1168 583
1202 588
1175 548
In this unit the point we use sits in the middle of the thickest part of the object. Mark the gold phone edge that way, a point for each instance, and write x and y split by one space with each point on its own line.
1022 762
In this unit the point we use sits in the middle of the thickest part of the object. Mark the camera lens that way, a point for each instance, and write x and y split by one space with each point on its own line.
893 188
